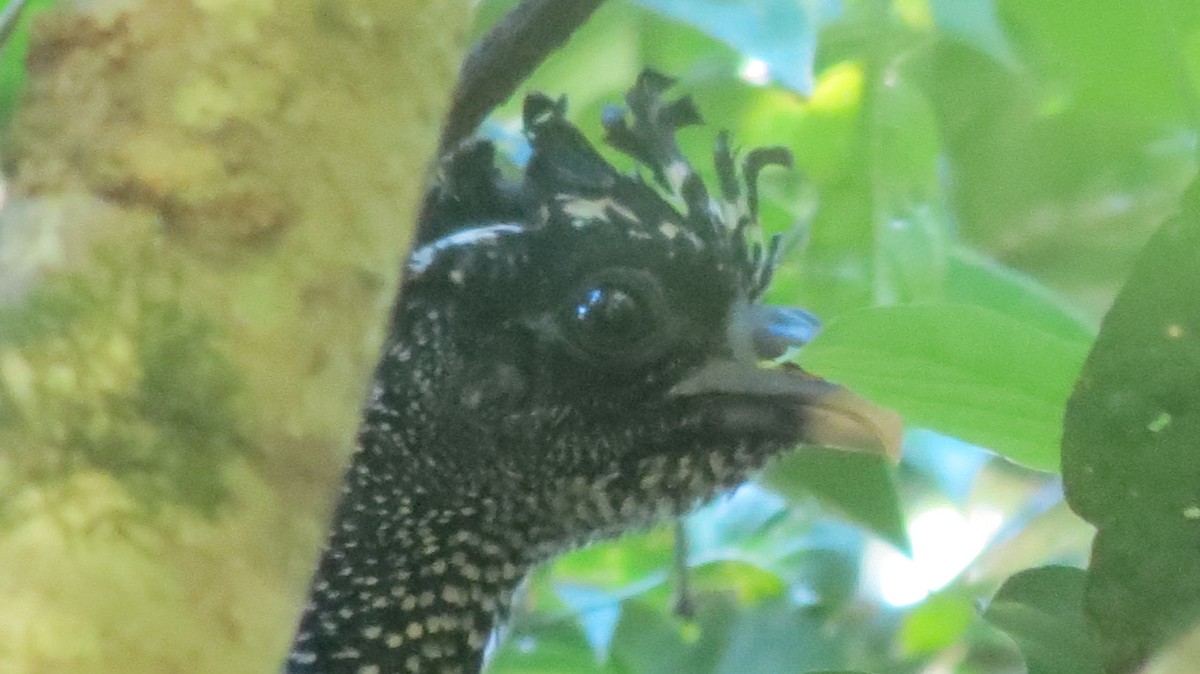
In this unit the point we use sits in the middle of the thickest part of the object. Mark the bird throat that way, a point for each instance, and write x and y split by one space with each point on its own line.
406 583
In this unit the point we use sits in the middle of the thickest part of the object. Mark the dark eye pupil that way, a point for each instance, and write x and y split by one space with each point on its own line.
611 314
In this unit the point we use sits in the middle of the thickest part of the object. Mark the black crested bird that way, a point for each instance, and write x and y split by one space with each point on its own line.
570 358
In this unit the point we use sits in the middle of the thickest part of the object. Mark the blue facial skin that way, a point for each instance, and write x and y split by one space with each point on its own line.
777 329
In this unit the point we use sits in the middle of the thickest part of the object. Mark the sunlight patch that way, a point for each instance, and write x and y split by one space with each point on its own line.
944 543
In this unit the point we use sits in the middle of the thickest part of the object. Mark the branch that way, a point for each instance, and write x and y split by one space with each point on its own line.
505 57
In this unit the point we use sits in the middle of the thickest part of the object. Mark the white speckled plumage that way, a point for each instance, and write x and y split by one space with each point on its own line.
527 400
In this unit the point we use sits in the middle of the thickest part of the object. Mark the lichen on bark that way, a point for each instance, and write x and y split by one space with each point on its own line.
205 208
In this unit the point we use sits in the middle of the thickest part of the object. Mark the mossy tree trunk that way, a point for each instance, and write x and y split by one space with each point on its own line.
206 208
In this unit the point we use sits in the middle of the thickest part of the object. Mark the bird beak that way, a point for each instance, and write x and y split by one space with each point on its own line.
783 401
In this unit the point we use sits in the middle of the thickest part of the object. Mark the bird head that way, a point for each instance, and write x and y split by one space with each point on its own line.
591 344
571 356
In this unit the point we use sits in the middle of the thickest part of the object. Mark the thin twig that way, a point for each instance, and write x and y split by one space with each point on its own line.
507 55
685 600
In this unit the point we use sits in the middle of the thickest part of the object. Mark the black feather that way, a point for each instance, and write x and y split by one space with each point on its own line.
538 388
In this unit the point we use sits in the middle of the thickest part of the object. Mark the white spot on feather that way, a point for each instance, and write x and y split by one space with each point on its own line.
591 210
423 257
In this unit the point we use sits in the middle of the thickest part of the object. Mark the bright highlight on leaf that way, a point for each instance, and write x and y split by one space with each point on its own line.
838 88
944 542
756 71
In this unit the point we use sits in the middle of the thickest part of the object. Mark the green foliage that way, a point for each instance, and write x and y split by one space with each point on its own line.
1121 59
12 57
825 473
936 625
1042 609
974 178
961 369
1129 450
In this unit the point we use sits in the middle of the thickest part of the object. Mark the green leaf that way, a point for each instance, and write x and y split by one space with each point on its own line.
1130 464
550 649
636 561
1042 610
823 134
779 637
1131 425
974 23
1120 55
859 486
936 624
12 58
961 370
829 575
748 583
872 153
975 279
648 640
912 232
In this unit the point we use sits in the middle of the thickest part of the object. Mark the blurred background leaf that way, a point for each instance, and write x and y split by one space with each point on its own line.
1042 609
973 180
12 56
960 369
1130 464
825 473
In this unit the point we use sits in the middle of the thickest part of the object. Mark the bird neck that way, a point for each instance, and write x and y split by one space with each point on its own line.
412 579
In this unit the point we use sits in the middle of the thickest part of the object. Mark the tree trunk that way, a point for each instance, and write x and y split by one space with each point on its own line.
201 233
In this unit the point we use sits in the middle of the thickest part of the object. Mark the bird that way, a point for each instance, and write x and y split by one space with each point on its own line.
573 355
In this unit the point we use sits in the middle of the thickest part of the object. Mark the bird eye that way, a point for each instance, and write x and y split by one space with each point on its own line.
617 314
611 314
